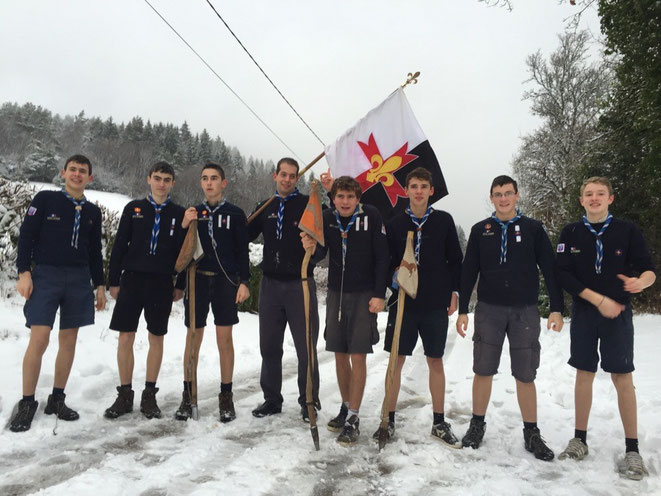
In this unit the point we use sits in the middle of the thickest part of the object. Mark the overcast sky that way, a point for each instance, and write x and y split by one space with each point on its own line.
333 60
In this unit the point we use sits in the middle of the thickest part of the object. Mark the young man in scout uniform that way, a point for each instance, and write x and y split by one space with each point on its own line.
140 273
281 291
598 259
61 236
221 281
355 238
438 254
505 251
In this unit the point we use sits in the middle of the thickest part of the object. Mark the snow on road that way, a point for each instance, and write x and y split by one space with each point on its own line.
275 455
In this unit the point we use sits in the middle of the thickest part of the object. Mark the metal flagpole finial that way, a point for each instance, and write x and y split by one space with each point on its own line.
412 78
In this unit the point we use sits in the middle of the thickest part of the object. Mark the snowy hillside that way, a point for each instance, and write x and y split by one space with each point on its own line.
275 455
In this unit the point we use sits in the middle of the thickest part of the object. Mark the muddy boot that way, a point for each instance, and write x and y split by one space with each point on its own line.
148 405
226 406
123 404
56 405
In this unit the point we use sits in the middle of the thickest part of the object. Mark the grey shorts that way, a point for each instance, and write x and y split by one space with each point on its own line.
522 327
356 331
68 289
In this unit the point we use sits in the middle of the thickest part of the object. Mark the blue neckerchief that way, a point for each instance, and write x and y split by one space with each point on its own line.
281 211
600 245
344 232
418 234
503 234
78 206
211 212
157 222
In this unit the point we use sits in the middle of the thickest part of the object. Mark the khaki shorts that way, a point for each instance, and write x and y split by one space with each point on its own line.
356 331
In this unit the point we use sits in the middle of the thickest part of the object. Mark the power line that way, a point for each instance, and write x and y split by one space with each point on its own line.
265 75
223 81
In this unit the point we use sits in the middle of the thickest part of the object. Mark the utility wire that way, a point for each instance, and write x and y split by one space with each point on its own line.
265 75
223 81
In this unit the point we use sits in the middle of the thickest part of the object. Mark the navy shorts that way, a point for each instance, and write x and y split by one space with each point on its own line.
590 330
66 288
522 327
218 292
432 325
356 330
138 291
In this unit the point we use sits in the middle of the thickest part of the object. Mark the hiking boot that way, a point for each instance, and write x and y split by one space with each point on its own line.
148 405
226 406
474 434
123 403
443 432
390 432
185 410
336 424
266 408
632 466
23 418
350 432
576 450
55 404
536 445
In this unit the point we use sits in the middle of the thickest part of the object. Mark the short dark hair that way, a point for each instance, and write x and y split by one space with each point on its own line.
419 173
216 167
346 183
163 167
79 159
502 181
286 160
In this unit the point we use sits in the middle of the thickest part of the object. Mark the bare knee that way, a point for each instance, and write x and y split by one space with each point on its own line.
622 380
584 378
155 341
126 340
39 339
224 339
435 365
67 338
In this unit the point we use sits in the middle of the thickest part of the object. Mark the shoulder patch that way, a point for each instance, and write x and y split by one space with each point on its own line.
32 210
561 247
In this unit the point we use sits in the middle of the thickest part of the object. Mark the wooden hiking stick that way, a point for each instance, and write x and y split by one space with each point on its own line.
312 224
267 202
407 279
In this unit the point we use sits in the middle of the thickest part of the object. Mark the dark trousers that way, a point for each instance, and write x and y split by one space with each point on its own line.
281 303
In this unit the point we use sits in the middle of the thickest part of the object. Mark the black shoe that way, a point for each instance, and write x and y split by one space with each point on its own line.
350 433
23 418
443 432
304 413
536 445
337 424
266 408
56 405
148 405
123 403
390 432
185 411
226 406
474 434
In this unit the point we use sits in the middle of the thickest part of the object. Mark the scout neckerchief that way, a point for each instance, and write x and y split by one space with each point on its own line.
418 234
344 232
78 206
157 222
281 211
503 234
211 212
600 245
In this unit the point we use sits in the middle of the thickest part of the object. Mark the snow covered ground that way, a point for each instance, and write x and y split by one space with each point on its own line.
275 455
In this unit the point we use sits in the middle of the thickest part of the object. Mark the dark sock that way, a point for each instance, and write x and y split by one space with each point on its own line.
226 388
150 385
391 417
128 386
439 418
29 397
631 444
529 425
58 391
188 386
582 435
478 417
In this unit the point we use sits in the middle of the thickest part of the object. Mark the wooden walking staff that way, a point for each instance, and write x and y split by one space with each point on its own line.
312 224
267 202
190 254
407 280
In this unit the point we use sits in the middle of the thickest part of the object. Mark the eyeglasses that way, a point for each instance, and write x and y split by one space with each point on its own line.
506 194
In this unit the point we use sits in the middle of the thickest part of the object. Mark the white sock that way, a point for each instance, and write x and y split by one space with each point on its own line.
349 414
